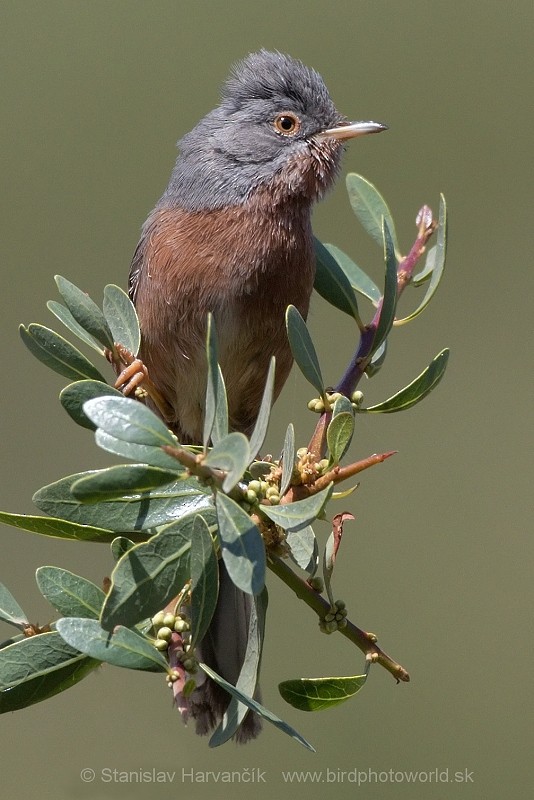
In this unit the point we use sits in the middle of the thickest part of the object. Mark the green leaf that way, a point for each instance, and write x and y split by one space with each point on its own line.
248 677
379 356
124 514
204 579
232 455
416 390
142 453
75 394
258 469
63 315
370 207
262 421
149 575
339 435
120 545
435 265
332 283
128 420
303 350
242 547
358 279
85 311
288 459
303 548
257 707
10 611
122 648
294 516
119 481
59 528
389 302
57 353
70 594
39 667
121 317
316 694
216 410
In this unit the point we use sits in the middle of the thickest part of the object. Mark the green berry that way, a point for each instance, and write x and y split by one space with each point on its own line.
316 583
329 617
165 633
168 620
331 626
342 623
157 620
251 497
255 486
274 499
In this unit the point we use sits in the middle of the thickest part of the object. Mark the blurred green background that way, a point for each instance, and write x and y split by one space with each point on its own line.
94 96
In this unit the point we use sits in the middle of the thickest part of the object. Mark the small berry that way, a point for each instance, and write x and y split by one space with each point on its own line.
165 633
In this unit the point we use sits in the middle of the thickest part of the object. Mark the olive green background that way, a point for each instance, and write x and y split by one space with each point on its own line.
439 561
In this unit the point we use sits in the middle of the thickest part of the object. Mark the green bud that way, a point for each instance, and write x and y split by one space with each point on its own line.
251 497
270 491
316 583
189 664
157 620
161 644
169 619
342 623
339 604
255 486
329 617
181 625
165 633
357 397
274 499
263 487
331 626
311 404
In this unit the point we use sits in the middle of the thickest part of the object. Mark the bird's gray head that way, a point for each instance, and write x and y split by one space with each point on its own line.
275 128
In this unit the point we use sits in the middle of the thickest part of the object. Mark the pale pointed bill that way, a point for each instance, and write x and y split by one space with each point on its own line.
351 130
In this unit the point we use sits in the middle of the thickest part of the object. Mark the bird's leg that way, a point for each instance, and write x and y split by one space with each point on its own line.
133 378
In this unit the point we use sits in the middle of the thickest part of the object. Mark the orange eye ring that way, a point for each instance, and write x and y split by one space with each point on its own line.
287 123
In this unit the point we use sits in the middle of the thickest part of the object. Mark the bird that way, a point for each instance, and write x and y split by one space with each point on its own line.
232 236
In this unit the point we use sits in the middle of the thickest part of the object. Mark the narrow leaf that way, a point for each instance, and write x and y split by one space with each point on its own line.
358 279
132 513
331 549
389 302
416 390
149 575
121 317
232 455
370 207
294 516
123 647
57 353
242 547
262 422
59 528
70 594
10 611
303 548
288 459
435 261
38 667
119 481
75 395
303 350
316 694
332 283
85 311
212 384
128 420
339 435
142 453
255 706
63 315
204 579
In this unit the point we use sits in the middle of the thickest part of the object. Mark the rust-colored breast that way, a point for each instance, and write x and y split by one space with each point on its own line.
245 264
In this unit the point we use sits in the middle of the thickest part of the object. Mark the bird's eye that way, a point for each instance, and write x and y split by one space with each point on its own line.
287 124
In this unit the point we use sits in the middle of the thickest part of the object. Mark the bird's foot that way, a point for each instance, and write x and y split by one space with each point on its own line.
134 379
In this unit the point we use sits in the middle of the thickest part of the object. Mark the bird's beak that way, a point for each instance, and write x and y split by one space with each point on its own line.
351 130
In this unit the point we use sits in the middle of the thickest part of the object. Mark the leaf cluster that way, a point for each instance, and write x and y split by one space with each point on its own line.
169 512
